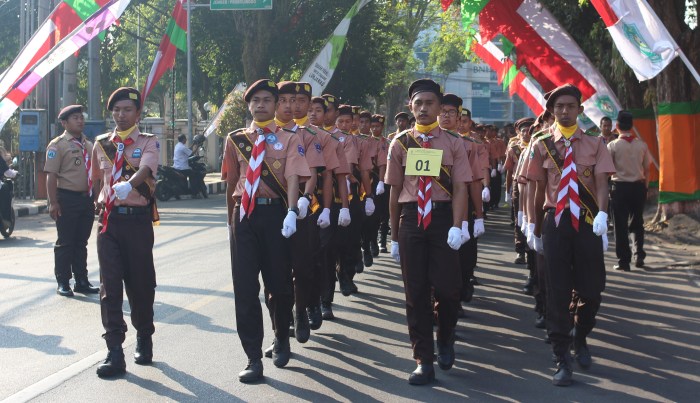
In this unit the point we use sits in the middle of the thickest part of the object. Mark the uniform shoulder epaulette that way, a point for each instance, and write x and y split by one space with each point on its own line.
403 133
288 130
452 133
591 133
542 134
146 134
236 132
308 129
364 136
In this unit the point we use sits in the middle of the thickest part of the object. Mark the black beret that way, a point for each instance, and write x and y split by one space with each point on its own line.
401 115
366 114
263 84
378 118
524 122
452 99
123 93
331 100
344 110
304 88
69 110
320 100
625 118
424 85
287 87
566 89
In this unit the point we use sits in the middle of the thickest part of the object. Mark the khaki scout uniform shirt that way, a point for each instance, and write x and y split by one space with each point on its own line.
590 156
474 161
368 152
349 146
144 151
331 142
382 151
284 155
454 158
312 146
65 159
631 159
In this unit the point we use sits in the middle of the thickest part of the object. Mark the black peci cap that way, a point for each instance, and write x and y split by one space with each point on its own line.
566 89
69 110
263 84
304 88
424 85
123 93
345 110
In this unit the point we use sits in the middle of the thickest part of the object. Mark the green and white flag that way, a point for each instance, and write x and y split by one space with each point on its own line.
323 66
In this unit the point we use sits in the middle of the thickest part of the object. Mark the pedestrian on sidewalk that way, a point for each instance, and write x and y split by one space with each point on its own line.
71 201
629 192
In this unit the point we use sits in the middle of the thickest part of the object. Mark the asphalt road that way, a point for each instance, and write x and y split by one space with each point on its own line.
646 346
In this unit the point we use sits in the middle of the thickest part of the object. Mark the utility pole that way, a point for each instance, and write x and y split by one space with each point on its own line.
94 104
70 77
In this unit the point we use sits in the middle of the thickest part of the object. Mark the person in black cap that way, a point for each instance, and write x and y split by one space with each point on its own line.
71 203
427 213
629 191
125 232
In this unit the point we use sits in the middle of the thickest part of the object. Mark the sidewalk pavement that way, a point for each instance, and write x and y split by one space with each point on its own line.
31 207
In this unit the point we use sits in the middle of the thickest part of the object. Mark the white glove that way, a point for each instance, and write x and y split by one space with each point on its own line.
10 173
369 206
486 195
539 247
344 217
605 242
493 172
479 229
523 224
454 238
465 232
228 234
324 220
508 197
530 228
303 206
289 225
380 188
600 223
395 251
122 190
530 239
501 167
520 219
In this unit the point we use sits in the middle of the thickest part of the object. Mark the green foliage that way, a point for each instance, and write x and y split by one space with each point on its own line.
447 51
234 116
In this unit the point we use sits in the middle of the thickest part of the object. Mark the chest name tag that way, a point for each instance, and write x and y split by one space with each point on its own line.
423 162
137 153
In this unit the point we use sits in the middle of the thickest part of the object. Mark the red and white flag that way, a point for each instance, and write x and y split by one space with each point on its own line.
639 35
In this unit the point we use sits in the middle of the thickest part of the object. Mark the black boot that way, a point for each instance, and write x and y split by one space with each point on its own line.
467 292
529 287
64 289
315 317
144 350
446 355
252 373
281 352
374 247
367 259
114 363
424 374
302 332
564 374
82 285
581 353
327 311
268 351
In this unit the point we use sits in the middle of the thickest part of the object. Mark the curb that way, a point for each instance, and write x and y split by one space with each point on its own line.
27 210
216 187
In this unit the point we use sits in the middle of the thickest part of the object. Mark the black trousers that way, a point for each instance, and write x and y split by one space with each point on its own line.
370 224
628 207
257 246
540 291
331 243
307 262
73 226
468 253
575 279
428 262
350 247
496 189
384 219
125 253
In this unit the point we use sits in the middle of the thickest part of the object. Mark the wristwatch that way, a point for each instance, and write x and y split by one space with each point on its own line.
309 196
294 209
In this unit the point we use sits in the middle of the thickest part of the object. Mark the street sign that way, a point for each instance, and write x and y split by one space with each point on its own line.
240 4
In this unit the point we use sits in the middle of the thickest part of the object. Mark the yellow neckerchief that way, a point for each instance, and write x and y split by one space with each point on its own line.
567 132
302 121
123 135
525 145
281 123
263 124
426 129
356 132
328 128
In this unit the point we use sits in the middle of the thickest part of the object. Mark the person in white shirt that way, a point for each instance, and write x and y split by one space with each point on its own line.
180 156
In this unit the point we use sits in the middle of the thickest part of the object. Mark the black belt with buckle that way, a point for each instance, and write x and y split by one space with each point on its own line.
554 210
73 192
437 205
129 210
262 201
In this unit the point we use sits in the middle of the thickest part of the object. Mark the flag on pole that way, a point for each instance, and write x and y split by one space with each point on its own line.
216 120
321 70
62 21
639 35
79 37
175 38
446 4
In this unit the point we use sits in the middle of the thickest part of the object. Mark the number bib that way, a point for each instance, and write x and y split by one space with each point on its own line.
423 162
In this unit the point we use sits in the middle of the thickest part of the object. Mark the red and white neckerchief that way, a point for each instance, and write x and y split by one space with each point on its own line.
568 187
628 139
252 174
425 186
88 162
116 175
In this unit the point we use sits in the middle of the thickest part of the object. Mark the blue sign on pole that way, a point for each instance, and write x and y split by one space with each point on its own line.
30 131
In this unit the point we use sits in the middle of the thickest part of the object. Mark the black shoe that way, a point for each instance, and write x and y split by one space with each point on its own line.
423 375
302 332
467 292
144 350
114 363
315 317
520 258
529 287
383 249
582 354
327 312
621 267
344 285
252 373
353 288
359 267
367 259
82 285
639 263
374 248
473 281
540 322
268 351
446 356
564 374
281 352
546 339
64 290
461 313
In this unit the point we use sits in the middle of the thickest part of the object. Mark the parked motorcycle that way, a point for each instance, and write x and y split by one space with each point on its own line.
7 213
171 183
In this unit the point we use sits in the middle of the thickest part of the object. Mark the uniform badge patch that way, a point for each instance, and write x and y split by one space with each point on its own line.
265 172
248 148
341 139
278 146
532 154
157 145
120 147
78 161
301 150
587 172
51 154
318 147
277 164
271 138
136 153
